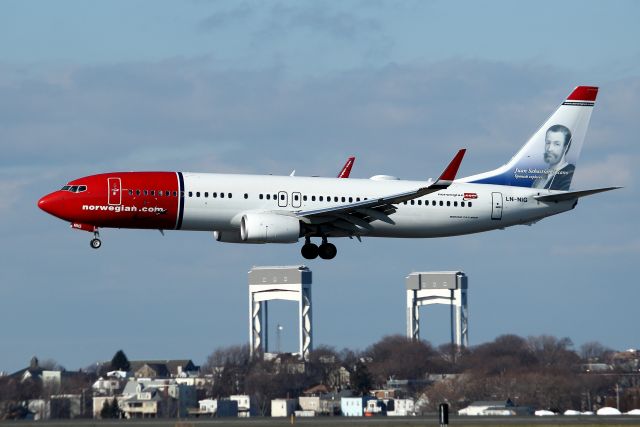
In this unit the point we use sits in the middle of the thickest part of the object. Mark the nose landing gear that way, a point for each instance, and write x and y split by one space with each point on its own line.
311 251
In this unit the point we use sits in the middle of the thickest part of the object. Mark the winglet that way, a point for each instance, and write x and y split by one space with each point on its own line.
346 169
450 172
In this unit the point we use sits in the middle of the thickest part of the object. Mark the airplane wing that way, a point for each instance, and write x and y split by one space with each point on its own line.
571 195
346 169
354 217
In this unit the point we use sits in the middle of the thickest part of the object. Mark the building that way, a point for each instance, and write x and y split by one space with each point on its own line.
322 401
163 368
354 406
375 407
107 386
495 408
217 408
247 406
157 399
149 404
310 403
400 407
283 407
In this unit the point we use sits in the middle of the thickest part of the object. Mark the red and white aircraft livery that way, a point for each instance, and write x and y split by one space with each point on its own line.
533 185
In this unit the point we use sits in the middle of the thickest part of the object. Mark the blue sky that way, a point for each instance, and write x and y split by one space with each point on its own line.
268 87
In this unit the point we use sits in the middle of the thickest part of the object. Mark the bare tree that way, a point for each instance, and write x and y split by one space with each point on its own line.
553 352
322 367
400 357
593 351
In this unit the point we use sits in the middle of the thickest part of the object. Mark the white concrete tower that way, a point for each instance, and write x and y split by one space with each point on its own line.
439 287
290 283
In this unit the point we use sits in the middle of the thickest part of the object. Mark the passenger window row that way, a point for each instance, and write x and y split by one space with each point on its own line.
261 196
440 203
155 193
214 194
305 198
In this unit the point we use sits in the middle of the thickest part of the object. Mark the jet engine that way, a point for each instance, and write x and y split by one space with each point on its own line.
228 236
269 228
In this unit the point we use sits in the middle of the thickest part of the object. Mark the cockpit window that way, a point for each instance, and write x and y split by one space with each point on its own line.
74 188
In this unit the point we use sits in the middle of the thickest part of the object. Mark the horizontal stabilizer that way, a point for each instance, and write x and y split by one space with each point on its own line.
572 195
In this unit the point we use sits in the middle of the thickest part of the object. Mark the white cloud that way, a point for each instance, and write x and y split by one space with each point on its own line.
614 170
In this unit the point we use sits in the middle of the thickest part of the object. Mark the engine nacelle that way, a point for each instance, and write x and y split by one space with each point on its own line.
269 228
228 236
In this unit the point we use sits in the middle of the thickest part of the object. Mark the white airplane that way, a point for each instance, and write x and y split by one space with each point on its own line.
533 185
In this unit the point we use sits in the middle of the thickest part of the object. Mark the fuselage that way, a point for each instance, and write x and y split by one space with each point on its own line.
533 184
217 202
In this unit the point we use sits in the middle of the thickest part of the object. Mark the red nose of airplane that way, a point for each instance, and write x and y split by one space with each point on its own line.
52 204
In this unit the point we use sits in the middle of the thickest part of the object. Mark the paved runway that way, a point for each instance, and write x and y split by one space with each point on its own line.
345 422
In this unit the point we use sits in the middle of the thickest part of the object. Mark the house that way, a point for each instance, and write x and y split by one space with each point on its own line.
150 403
322 403
33 371
141 393
107 386
400 407
354 406
310 403
163 368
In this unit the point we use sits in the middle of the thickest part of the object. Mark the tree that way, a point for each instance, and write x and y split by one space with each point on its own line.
105 412
110 410
115 409
400 357
553 352
229 366
119 362
323 367
593 351
361 379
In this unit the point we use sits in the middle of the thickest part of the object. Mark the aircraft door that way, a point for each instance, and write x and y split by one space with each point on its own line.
496 207
282 199
296 200
114 186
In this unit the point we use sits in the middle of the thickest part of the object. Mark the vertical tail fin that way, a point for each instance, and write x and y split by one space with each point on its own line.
548 160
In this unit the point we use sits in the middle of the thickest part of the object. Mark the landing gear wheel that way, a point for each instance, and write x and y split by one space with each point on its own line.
327 251
309 251
95 243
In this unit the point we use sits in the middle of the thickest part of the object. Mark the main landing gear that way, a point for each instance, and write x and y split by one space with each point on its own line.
96 242
311 251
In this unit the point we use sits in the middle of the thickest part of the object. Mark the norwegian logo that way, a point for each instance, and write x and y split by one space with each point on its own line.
470 196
